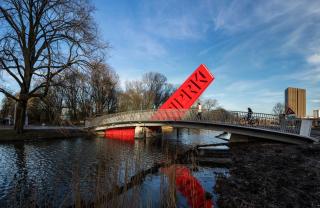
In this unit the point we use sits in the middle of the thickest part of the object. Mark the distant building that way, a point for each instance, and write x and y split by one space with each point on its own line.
316 113
7 120
295 99
316 118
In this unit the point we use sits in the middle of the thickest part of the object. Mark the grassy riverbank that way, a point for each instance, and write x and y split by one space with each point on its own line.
41 134
316 132
272 175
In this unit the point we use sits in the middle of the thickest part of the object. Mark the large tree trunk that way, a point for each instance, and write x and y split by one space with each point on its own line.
20 116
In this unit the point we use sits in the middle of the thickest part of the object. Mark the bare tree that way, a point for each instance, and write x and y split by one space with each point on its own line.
80 93
150 92
71 89
85 100
38 40
47 109
278 109
51 105
133 96
104 83
157 90
210 104
7 107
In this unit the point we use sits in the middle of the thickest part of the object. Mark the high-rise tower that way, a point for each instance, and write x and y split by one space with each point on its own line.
295 99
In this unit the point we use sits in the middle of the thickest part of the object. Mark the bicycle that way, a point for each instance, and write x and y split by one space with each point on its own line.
249 121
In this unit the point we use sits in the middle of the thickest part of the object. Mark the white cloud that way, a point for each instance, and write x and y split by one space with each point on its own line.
315 100
172 20
242 86
308 75
147 46
314 59
292 25
140 44
174 28
237 16
251 86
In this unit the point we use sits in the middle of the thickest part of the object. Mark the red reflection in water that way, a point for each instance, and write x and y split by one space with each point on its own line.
189 186
124 134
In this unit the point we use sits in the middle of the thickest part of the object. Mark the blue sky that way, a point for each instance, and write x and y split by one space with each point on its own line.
255 49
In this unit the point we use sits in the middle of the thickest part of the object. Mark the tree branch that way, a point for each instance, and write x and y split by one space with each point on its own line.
8 94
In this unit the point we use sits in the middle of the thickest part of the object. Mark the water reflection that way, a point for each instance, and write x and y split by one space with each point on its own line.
181 177
59 172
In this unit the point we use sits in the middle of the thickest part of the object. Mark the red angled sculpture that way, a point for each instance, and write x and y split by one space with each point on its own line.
190 90
181 100
186 95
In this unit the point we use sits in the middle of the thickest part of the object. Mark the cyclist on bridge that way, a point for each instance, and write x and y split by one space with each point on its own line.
249 115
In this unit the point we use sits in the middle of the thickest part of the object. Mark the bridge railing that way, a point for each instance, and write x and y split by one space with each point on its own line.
256 120
235 118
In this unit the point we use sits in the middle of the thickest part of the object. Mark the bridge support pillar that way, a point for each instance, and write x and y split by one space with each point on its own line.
142 132
139 132
178 133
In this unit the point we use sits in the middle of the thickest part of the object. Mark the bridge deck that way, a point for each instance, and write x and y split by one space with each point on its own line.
264 126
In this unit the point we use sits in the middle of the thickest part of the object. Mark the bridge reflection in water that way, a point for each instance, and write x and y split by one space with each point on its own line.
259 125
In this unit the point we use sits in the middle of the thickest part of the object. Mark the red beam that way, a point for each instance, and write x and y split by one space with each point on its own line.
190 90
185 96
124 134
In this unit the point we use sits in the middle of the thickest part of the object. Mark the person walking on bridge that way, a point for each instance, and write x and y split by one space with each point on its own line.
199 111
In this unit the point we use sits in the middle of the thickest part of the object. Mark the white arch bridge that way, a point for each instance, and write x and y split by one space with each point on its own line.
259 126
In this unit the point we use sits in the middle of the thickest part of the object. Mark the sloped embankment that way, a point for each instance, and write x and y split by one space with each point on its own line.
272 175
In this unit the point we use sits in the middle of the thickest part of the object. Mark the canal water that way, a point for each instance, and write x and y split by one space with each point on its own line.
64 172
